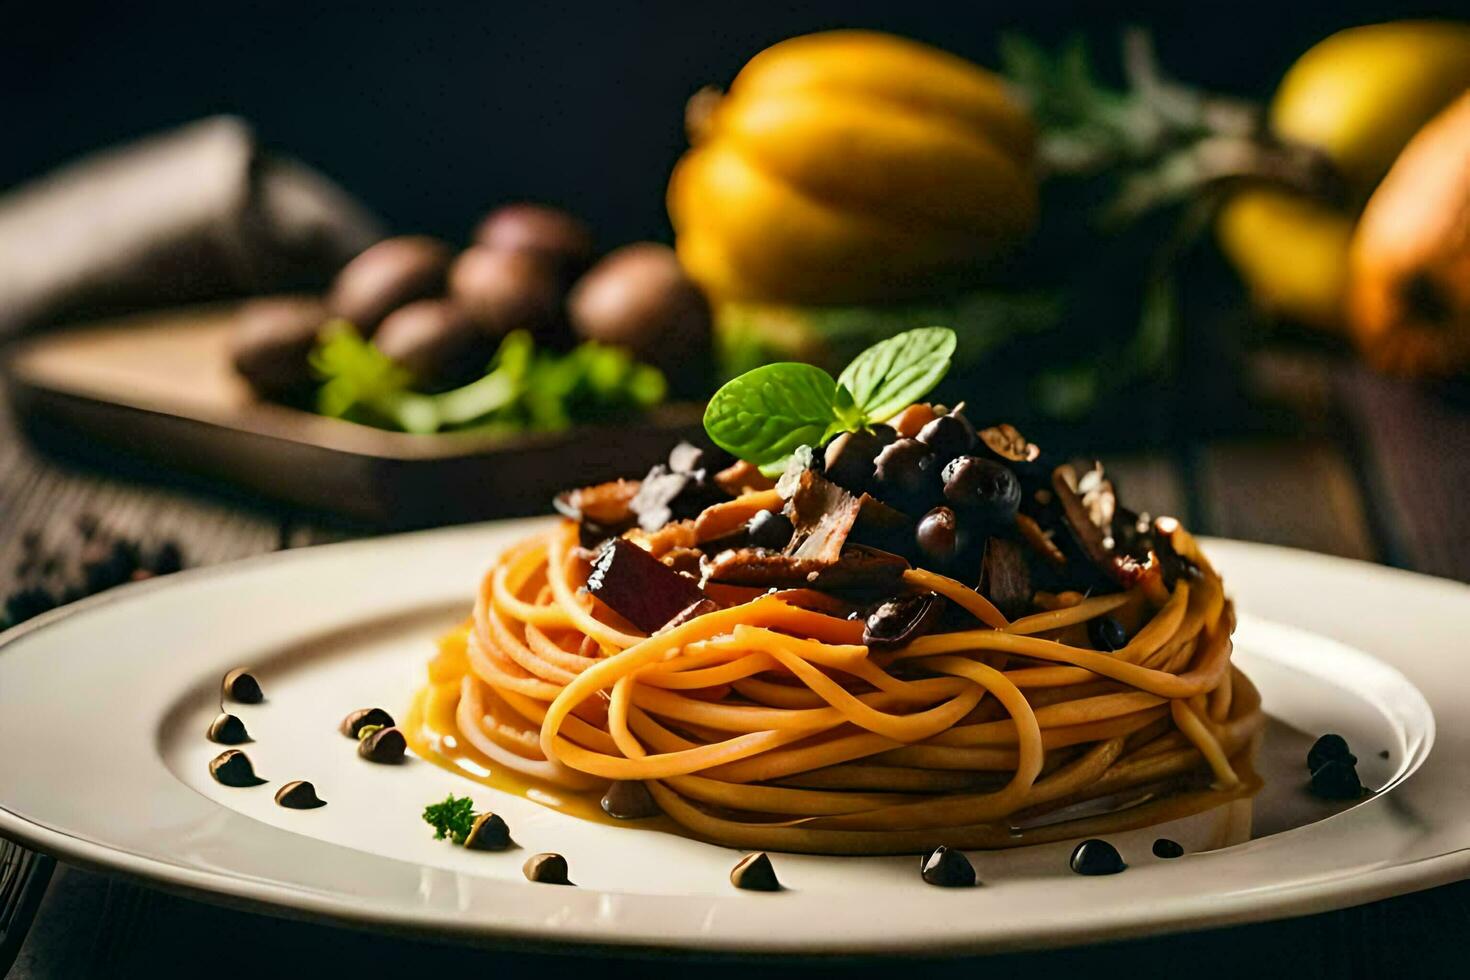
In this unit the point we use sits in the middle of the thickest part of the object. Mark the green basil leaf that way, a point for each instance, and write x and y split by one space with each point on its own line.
845 408
765 414
892 375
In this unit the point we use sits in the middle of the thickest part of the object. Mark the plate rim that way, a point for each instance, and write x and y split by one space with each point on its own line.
281 899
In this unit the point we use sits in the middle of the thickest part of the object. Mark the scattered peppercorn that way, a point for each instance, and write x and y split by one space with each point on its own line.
488 833
754 873
299 795
27 602
1337 779
629 799
1328 748
546 868
226 729
83 558
232 768
355 722
947 868
1096 857
1166 848
383 745
240 685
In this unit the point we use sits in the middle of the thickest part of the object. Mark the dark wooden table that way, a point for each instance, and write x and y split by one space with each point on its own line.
1349 464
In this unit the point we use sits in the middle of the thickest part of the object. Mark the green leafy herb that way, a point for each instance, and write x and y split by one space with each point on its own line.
524 388
890 376
763 415
451 818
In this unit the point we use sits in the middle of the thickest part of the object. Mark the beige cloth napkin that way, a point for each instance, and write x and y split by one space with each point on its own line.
189 215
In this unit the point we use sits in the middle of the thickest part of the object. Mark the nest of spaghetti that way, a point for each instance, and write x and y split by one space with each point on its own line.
865 659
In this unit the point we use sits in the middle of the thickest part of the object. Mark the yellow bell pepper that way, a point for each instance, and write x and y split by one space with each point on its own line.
852 166
1357 97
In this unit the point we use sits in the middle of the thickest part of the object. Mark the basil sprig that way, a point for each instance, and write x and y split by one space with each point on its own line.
765 414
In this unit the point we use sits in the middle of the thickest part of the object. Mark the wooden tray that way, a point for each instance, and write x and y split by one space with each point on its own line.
161 387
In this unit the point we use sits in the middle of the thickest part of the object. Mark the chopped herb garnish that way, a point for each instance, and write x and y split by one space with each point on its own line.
524 388
451 818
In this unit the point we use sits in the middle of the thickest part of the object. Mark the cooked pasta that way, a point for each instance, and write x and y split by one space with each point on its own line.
764 721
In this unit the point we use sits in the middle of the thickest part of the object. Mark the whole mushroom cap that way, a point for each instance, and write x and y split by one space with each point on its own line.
385 276
638 297
549 232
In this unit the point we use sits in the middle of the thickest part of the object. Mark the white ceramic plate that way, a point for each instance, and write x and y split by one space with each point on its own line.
103 761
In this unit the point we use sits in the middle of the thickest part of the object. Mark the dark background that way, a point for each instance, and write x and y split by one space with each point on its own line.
431 115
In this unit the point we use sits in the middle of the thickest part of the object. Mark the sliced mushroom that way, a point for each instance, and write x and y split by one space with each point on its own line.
758 567
823 515
607 504
1006 443
1088 517
863 570
858 569
666 494
1089 505
1005 578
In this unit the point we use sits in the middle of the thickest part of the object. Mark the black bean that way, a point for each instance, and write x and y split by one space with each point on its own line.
1325 749
984 487
1337 779
755 873
938 536
848 460
906 474
947 868
546 868
1166 848
1096 857
299 795
1107 634
770 529
949 436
